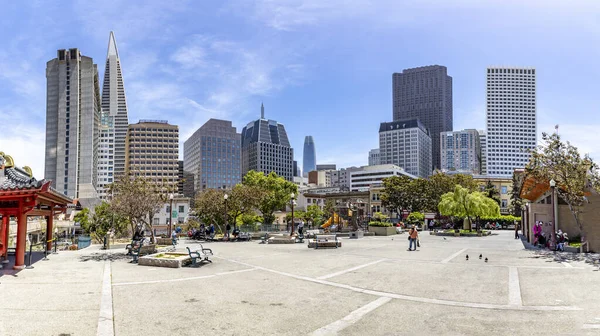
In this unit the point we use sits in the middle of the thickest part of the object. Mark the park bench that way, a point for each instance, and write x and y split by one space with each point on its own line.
246 236
133 244
201 255
325 241
264 239
312 233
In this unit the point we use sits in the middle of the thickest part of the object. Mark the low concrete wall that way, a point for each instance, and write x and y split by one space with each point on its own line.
383 230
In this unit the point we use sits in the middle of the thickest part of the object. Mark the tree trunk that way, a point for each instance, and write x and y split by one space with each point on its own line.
578 221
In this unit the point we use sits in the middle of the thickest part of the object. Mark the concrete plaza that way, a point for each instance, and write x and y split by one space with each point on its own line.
370 286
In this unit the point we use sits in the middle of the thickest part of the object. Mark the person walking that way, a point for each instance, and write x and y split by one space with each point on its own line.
300 227
413 235
517 230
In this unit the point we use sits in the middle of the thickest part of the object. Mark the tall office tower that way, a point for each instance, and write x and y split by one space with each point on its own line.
72 124
153 150
213 154
114 102
425 93
511 123
483 143
407 144
266 148
326 166
309 156
461 151
295 170
114 121
106 152
374 157
180 179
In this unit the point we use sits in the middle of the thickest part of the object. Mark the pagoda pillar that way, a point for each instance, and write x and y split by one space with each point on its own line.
49 230
4 236
21 239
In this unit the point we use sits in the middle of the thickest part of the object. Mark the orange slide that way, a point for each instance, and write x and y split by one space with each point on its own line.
332 220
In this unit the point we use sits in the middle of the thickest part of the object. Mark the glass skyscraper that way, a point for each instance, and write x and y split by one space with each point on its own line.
309 156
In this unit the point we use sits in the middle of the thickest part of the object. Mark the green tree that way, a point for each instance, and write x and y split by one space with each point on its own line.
210 207
415 218
329 208
516 203
136 199
243 199
397 194
575 175
276 192
104 221
84 219
465 204
314 215
491 191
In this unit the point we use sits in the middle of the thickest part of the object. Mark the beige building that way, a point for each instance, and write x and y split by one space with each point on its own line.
153 151
504 187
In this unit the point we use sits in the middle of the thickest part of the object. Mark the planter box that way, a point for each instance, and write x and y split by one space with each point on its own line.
383 230
356 234
572 249
164 241
176 260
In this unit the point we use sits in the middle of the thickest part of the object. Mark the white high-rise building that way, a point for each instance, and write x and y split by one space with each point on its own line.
374 157
483 143
115 121
511 122
461 151
407 144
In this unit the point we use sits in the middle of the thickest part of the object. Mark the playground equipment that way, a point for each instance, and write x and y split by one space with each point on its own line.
335 219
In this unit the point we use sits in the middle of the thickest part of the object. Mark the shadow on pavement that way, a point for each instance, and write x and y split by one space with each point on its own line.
7 268
105 256
559 257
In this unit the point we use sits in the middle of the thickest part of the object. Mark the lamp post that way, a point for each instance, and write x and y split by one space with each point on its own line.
554 207
171 196
225 197
292 201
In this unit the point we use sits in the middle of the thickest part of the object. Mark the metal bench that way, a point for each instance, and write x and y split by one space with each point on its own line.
325 240
200 255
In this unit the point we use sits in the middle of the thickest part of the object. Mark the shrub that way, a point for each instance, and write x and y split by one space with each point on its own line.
415 218
381 224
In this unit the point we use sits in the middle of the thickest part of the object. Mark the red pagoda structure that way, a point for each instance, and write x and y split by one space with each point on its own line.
21 196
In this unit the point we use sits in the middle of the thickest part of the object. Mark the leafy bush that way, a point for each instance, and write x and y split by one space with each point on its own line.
502 219
415 218
380 224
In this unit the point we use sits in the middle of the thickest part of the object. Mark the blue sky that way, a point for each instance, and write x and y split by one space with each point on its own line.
322 68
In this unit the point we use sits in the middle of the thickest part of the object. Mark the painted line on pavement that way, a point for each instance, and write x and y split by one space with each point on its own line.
412 298
447 260
567 265
591 326
350 319
349 270
514 287
105 319
181 279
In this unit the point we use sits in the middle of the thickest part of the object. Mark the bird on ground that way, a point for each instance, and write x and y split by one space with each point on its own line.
444 238
486 260
480 256
467 257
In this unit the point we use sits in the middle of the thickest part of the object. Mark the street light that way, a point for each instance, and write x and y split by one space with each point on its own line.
171 196
554 207
292 195
225 197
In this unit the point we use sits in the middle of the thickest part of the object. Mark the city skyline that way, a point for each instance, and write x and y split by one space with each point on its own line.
171 69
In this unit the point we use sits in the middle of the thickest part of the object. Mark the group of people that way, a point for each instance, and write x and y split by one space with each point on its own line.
544 239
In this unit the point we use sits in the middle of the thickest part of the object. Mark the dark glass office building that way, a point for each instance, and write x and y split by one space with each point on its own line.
425 93
309 156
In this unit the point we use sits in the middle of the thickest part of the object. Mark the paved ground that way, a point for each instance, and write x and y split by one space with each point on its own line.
369 286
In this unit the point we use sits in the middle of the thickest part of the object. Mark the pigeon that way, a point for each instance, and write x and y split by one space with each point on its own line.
480 256
444 238
467 257
486 259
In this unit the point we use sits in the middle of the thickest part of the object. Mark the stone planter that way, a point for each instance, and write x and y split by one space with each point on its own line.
383 230
356 234
169 259
164 241
572 249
